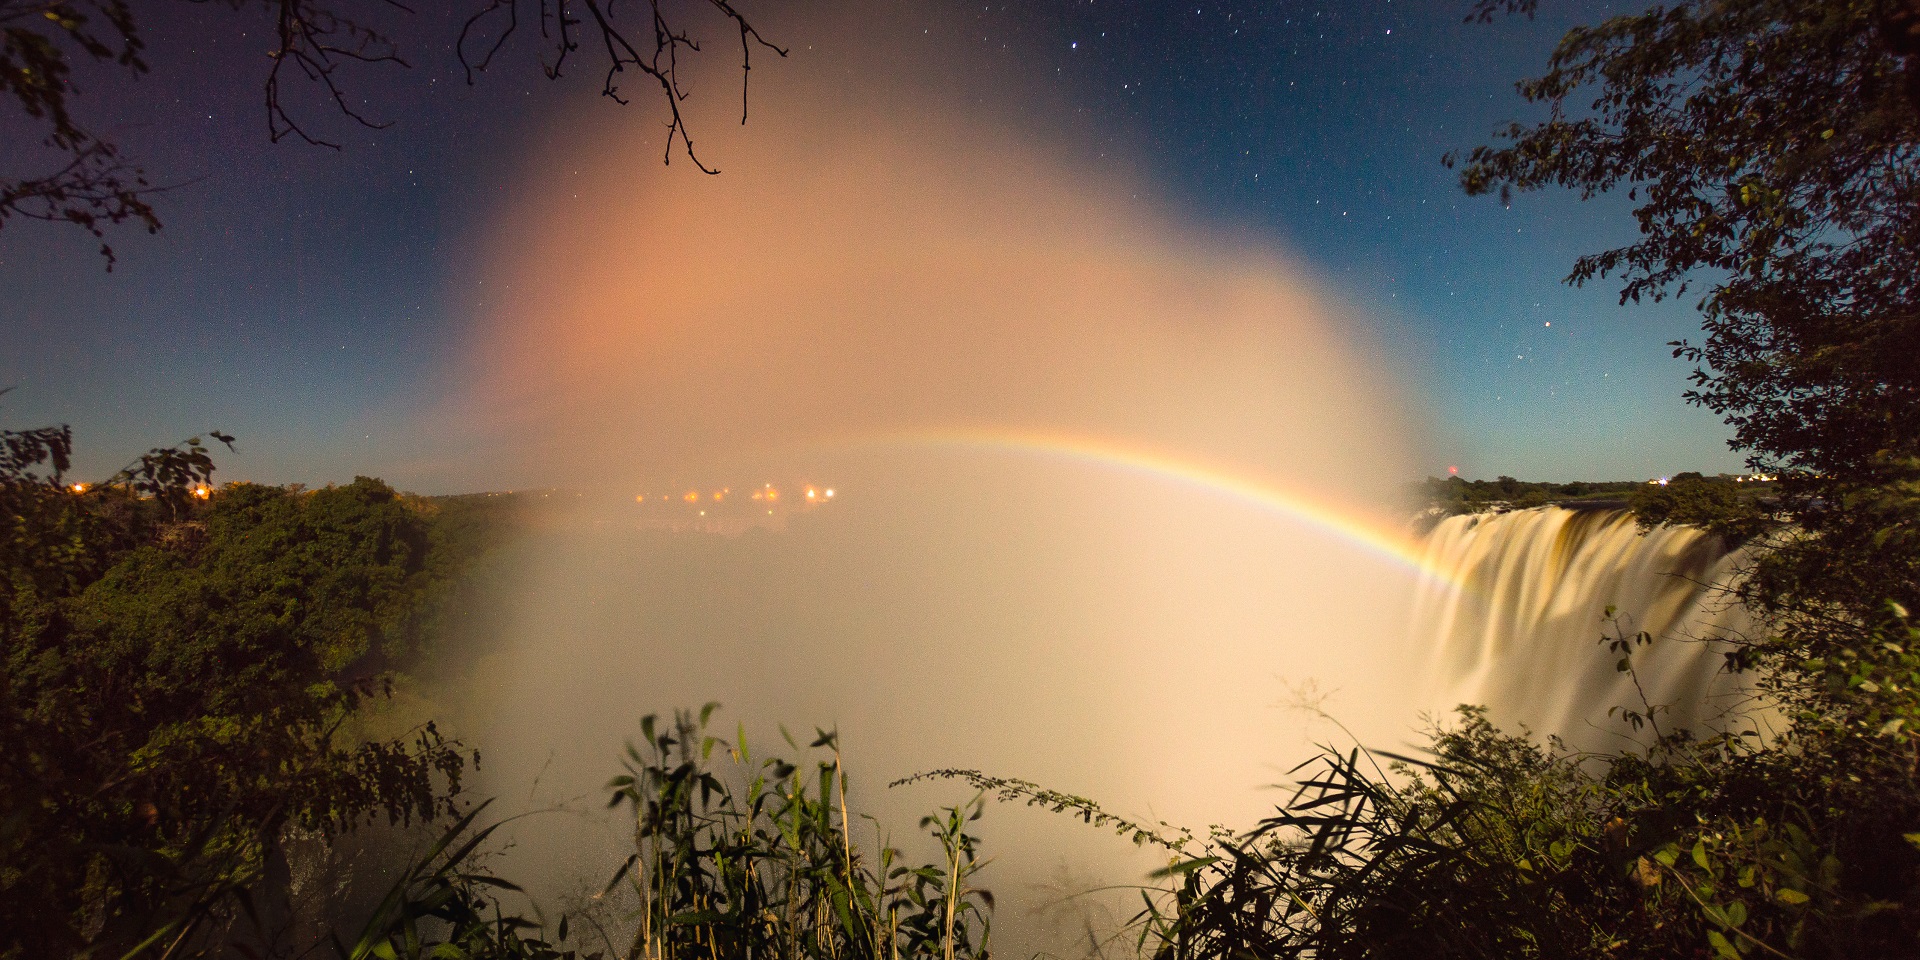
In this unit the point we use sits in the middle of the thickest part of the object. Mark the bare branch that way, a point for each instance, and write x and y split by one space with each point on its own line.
317 41
659 61
314 39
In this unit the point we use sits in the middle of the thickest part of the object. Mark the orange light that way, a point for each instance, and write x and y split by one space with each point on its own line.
693 496
203 492
757 495
773 494
79 488
719 495
811 494
640 498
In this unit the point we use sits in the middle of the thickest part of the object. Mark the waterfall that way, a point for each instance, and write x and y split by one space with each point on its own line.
1515 618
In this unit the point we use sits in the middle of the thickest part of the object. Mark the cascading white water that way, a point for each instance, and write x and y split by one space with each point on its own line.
1518 620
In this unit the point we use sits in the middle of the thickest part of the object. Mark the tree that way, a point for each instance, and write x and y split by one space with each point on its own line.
179 672
93 186
1770 149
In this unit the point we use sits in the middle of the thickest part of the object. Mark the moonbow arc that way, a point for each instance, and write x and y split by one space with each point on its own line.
1397 547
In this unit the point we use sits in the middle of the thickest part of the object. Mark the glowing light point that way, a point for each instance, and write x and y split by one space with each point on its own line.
829 493
693 496
1453 471
79 488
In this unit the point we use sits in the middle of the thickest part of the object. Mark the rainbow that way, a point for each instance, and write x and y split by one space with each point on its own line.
1396 547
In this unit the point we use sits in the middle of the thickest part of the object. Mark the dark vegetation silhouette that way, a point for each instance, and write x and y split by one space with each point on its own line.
322 43
1769 148
185 668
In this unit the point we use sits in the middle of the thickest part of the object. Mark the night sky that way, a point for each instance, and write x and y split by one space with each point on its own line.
301 297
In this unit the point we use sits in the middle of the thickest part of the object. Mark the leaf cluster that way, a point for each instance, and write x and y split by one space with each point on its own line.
758 860
1769 149
181 673
1734 512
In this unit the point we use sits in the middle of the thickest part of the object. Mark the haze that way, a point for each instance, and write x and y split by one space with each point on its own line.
938 314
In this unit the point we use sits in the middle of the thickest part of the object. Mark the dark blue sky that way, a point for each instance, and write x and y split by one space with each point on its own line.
298 296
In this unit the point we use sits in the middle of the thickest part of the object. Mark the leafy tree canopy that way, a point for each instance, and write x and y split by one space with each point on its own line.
1769 149
180 669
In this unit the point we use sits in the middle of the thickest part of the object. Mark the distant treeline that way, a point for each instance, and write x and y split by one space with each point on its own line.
1671 501
1453 495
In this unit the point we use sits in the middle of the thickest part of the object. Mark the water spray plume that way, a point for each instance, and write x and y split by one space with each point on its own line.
937 311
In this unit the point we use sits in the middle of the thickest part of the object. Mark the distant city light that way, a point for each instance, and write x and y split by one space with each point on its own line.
203 491
829 492
79 488
693 496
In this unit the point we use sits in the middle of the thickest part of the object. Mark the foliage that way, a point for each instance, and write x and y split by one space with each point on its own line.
1717 505
180 669
1769 147
92 186
442 908
1453 495
1501 846
760 861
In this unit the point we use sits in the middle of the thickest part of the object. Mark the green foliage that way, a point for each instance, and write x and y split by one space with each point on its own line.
1453 495
442 907
759 861
1769 147
1008 789
1499 846
1717 505
180 672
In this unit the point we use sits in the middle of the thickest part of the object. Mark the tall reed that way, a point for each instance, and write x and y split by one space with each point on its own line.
756 859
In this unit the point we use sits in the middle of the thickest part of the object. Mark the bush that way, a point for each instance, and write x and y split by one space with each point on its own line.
179 668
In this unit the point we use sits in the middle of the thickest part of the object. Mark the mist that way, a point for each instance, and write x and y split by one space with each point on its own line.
1024 382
